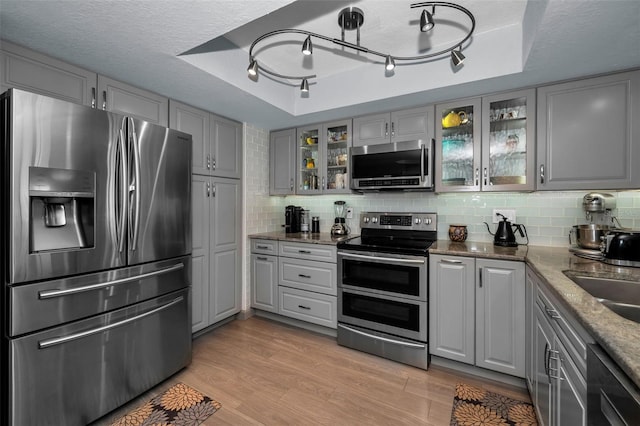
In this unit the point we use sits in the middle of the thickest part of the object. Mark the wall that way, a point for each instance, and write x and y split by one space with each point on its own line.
547 216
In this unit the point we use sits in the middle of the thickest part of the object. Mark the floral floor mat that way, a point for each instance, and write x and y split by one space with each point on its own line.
180 405
477 406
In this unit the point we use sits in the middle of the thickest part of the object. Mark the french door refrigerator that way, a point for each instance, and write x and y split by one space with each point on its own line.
96 269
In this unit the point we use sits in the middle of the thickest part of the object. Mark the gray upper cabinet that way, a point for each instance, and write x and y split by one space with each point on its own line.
282 162
126 99
588 134
217 142
396 126
24 69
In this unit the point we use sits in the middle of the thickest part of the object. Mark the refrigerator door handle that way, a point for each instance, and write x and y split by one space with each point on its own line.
64 339
49 294
134 189
122 220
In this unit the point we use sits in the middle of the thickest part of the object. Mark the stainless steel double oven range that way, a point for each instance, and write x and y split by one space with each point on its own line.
383 283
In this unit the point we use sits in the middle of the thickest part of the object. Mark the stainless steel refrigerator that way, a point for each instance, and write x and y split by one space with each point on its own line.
96 242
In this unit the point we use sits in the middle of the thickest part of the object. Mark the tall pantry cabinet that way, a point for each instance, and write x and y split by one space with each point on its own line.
216 209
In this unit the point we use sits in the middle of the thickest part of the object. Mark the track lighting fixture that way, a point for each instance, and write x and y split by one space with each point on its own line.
304 86
307 47
389 63
352 18
457 57
426 20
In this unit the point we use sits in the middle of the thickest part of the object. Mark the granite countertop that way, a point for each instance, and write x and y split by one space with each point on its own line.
304 237
619 337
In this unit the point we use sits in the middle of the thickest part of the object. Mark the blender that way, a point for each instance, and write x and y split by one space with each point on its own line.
340 227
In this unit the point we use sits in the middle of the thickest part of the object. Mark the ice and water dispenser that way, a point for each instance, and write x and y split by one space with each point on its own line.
62 209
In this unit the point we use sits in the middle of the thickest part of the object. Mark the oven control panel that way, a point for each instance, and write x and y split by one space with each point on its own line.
408 221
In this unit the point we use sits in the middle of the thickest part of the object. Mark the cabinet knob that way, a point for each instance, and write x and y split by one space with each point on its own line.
104 99
93 97
393 129
542 173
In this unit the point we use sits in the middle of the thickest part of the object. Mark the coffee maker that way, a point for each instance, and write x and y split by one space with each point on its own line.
292 219
340 227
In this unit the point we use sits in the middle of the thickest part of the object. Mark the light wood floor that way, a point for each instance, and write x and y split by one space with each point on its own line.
264 372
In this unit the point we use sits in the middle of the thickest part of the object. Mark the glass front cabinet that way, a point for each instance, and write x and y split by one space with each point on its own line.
486 144
323 158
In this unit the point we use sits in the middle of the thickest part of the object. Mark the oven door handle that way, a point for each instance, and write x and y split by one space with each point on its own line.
384 339
385 259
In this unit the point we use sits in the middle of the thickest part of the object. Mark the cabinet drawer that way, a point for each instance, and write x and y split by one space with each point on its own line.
308 275
323 253
567 333
264 247
306 306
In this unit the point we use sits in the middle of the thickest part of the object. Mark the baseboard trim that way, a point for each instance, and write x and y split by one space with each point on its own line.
297 323
246 314
472 370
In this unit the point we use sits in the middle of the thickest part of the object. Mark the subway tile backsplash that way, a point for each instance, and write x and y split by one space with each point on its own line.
547 216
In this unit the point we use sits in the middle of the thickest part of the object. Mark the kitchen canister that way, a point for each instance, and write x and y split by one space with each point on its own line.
458 233
315 225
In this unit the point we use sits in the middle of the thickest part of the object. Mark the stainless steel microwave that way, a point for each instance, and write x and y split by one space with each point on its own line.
401 166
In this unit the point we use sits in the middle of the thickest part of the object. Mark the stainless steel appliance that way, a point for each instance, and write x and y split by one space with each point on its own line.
339 226
96 236
383 283
622 248
612 399
394 166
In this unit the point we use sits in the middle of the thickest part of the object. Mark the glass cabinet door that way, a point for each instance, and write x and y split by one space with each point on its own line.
338 141
507 153
458 146
309 160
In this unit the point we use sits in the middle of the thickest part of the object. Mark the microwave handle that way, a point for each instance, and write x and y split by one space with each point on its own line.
422 164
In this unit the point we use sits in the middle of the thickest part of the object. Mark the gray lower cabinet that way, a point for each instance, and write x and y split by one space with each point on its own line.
557 373
305 286
216 286
282 162
588 134
476 312
264 275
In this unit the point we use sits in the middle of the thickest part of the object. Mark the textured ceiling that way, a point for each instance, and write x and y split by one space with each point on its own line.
196 51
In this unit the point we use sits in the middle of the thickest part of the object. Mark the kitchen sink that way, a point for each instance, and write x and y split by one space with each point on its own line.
621 296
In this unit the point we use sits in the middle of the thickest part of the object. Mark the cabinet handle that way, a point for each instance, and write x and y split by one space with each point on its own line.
480 277
546 359
304 307
484 172
261 258
552 313
542 173
263 247
208 161
104 99
208 189
477 176
386 129
451 261
323 183
559 360
393 129
214 163
213 190
304 276
93 97
304 251
291 185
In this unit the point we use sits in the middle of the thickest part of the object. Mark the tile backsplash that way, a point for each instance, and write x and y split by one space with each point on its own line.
547 216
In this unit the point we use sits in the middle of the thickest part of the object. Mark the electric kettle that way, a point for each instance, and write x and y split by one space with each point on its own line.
504 235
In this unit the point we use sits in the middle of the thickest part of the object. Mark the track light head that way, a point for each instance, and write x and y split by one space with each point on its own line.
389 63
457 57
253 68
304 86
307 46
426 21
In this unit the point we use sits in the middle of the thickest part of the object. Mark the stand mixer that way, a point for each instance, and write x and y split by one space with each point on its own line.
587 238
340 227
